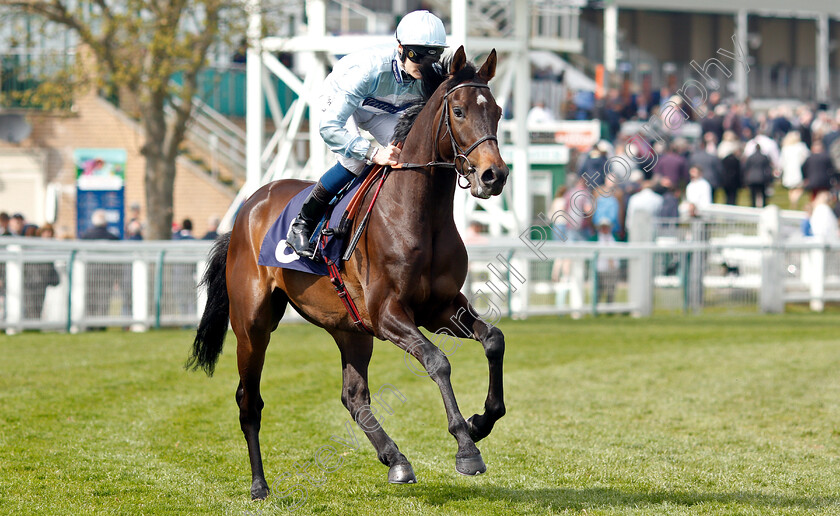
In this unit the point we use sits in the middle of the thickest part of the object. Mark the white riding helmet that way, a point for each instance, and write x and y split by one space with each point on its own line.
421 28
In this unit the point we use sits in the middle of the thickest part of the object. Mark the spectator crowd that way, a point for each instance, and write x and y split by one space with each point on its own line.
17 225
729 154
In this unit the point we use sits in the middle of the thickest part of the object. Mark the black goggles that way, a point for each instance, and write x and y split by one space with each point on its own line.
422 54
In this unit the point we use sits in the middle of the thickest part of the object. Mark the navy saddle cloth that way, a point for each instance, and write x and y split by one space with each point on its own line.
275 253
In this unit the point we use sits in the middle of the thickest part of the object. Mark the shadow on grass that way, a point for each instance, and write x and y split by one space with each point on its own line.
570 498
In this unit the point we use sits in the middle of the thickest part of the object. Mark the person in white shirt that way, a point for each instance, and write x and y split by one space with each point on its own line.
794 154
646 200
539 114
698 191
823 221
768 146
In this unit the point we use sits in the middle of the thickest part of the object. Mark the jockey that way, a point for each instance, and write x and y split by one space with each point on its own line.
368 90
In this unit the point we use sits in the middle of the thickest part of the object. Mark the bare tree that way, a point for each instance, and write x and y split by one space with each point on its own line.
138 46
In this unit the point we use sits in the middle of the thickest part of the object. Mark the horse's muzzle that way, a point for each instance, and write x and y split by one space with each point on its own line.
494 178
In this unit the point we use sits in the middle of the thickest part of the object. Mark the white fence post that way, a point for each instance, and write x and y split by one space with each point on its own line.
14 292
696 267
577 282
201 293
77 294
641 269
519 299
140 295
772 291
816 276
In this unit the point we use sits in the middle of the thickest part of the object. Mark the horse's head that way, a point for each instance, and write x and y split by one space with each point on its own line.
470 117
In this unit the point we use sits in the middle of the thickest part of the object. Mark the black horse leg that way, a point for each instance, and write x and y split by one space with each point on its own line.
399 328
461 320
252 335
356 350
250 408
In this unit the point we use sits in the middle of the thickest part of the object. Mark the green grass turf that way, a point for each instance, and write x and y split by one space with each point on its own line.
668 415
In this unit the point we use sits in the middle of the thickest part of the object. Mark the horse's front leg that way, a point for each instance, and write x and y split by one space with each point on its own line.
398 326
461 320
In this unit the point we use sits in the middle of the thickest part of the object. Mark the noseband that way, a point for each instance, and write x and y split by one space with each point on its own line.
459 152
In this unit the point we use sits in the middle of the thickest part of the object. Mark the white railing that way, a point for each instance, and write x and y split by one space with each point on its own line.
641 278
790 221
79 285
747 214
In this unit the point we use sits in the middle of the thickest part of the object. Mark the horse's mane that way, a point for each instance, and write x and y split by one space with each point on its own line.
433 77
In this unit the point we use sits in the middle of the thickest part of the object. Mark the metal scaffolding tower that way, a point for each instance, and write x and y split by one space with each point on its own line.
513 29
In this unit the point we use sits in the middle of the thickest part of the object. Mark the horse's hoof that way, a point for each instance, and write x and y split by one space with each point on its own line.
470 465
259 491
401 474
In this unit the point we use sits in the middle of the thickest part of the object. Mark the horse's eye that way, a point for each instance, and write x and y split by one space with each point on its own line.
458 112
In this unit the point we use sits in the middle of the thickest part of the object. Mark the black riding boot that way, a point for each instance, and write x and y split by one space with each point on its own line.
310 214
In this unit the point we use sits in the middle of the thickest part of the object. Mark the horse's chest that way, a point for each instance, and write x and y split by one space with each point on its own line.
447 270
431 274
430 284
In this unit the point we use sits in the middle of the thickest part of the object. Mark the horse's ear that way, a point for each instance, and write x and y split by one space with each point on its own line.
488 69
458 60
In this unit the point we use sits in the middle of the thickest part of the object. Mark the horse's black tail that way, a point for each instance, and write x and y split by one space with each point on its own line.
210 336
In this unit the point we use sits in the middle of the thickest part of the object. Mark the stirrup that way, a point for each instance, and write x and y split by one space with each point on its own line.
303 253
309 252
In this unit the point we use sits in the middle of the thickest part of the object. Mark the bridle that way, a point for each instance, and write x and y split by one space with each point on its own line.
459 152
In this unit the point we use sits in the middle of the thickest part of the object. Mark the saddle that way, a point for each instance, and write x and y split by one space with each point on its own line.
323 232
330 237
378 172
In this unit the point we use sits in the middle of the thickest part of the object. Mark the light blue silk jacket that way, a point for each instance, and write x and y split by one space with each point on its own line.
363 85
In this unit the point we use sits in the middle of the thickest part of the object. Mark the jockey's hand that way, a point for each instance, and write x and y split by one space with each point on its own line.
386 155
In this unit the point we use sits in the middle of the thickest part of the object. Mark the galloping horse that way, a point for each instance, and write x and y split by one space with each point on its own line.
407 272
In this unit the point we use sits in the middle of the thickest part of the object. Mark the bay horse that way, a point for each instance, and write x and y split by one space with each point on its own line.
406 272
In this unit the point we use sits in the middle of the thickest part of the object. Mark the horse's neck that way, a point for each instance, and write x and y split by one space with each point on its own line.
427 194
424 199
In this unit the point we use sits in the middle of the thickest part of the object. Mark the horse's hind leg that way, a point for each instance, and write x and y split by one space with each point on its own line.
356 350
254 315
461 321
